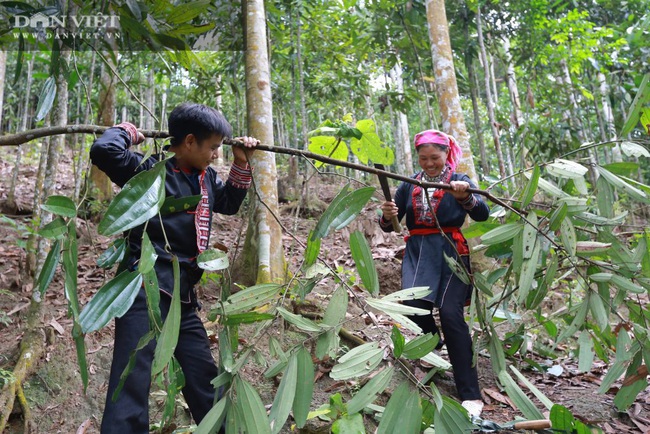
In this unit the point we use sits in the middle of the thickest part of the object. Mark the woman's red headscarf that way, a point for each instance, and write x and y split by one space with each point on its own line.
440 138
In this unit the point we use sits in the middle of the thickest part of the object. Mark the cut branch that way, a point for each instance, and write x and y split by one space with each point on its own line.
20 138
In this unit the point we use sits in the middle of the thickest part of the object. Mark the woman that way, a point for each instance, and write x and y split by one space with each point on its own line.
424 263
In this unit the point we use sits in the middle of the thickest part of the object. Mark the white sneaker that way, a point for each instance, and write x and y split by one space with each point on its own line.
474 408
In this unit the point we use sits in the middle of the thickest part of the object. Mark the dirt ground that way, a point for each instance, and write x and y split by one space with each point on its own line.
59 404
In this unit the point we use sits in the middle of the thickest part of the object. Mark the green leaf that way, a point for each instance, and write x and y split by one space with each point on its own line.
645 121
437 361
152 291
622 185
566 169
392 307
46 99
312 250
250 405
618 280
370 146
148 255
343 209
527 275
561 419
531 188
214 419
60 205
80 346
113 254
557 216
168 339
538 393
452 418
112 300
420 346
598 311
568 236
213 260
585 351
398 342
368 393
614 372
634 150
529 236
501 234
349 424
642 96
458 268
358 362
284 396
363 260
408 294
577 322
328 146
70 258
139 200
299 321
247 318
49 268
304 387
403 413
550 188
333 317
54 229
249 298
627 394
518 397
177 204
185 12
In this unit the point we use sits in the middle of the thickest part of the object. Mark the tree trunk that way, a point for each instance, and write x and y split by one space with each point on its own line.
11 195
301 82
608 117
263 249
3 70
489 97
102 187
453 121
513 90
402 136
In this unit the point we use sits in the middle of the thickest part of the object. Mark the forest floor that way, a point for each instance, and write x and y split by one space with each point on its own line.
55 393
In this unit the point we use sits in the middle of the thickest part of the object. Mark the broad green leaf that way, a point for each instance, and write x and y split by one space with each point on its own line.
635 150
213 260
343 209
60 205
458 268
495 349
531 188
598 311
70 257
139 200
152 290
578 321
368 393
602 221
226 356
358 361
452 418
585 351
624 168
501 233
249 298
333 317
408 294
518 397
420 346
645 121
370 146
614 372
112 300
168 339
328 146
642 96
304 387
49 268
348 424
148 255
54 229
574 204
527 275
557 216
568 236
398 342
390 307
622 185
299 321
113 254
550 188
214 419
403 413
187 11
246 318
566 169
538 393
46 99
312 250
627 394
177 204
250 405
626 284
363 260
80 346
529 236
433 359
590 248
561 419
284 396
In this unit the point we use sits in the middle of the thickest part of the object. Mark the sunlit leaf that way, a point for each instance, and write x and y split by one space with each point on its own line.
642 96
370 146
635 150
566 169
358 362
328 146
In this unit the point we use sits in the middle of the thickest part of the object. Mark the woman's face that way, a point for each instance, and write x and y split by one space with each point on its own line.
432 159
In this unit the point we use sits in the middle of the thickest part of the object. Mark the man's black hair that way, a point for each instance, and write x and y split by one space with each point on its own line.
197 119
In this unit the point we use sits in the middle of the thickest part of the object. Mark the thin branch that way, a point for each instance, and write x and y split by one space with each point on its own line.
20 138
